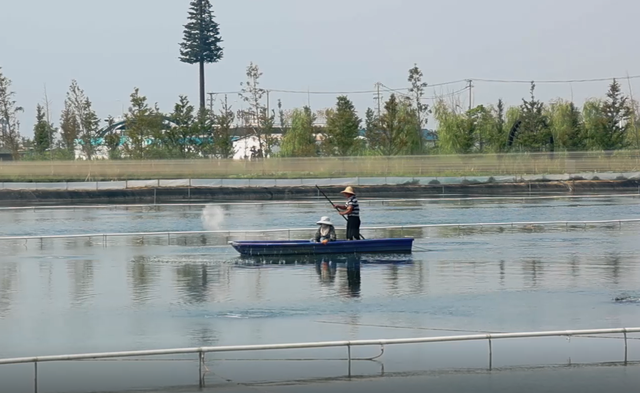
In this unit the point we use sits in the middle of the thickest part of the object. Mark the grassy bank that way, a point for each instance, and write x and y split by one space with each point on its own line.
326 167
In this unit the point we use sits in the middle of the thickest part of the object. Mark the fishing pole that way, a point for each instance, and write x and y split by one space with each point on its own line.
332 204
335 207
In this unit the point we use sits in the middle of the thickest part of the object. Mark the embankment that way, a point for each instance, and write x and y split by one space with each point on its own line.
167 195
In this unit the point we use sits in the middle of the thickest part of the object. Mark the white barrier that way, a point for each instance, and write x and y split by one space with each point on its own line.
288 231
201 351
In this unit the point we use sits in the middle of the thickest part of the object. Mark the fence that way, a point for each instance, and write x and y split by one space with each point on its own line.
345 181
328 344
287 232
328 167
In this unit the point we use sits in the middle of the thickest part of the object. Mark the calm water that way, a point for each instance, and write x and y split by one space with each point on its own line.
80 295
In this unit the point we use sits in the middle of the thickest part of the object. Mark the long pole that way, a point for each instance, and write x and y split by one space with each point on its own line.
332 204
335 207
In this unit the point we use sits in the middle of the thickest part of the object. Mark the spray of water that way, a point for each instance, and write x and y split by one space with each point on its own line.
212 218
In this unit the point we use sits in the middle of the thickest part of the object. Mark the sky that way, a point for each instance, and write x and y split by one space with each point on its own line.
111 47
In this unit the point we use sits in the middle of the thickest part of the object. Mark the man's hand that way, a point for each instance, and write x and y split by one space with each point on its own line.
325 241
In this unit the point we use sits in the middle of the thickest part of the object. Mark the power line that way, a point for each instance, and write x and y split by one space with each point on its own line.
485 80
556 81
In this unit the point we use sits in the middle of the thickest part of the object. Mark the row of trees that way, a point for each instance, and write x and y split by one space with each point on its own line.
396 129
533 126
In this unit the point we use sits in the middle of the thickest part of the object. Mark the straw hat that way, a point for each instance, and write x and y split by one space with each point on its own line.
325 221
348 190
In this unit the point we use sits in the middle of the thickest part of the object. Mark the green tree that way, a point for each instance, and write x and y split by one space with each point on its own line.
456 132
565 121
300 140
534 133
257 117
342 129
86 119
222 132
390 134
201 40
69 129
422 110
9 123
41 131
615 122
112 141
179 139
144 126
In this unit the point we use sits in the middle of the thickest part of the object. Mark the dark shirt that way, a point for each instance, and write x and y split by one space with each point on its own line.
331 237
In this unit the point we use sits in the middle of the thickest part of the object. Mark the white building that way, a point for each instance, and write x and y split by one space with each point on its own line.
247 146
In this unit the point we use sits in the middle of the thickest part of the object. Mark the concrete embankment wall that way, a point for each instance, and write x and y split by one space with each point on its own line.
212 194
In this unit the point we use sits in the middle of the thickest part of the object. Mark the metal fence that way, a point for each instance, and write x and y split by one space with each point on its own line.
290 233
201 351
329 167
303 182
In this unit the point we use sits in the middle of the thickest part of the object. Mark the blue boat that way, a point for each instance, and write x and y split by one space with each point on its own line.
305 247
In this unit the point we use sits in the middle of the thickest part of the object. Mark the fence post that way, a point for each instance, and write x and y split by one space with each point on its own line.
625 347
201 372
35 377
490 353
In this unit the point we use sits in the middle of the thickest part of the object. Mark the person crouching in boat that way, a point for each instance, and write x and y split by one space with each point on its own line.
326 231
352 211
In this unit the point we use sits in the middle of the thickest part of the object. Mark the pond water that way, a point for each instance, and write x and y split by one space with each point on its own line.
84 295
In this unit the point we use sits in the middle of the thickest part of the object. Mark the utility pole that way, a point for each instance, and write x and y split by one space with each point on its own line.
268 97
470 87
378 98
49 127
211 102
633 112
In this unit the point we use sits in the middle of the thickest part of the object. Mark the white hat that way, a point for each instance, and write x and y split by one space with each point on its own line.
325 220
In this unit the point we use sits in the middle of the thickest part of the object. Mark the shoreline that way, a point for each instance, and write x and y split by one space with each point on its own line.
170 195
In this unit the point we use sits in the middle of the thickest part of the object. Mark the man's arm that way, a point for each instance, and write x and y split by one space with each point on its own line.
348 210
332 234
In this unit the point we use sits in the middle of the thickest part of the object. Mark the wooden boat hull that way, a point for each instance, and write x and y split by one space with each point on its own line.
305 247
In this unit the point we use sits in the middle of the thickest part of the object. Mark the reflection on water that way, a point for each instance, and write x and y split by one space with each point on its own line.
8 276
194 282
81 277
143 276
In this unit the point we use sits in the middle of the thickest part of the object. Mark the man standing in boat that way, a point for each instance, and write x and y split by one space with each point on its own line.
352 211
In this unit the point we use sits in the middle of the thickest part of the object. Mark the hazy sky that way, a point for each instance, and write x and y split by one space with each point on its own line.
112 46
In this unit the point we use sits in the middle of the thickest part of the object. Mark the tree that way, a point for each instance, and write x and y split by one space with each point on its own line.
9 123
69 128
112 141
455 132
257 117
567 127
343 127
179 139
85 118
417 91
144 126
534 133
201 40
41 131
391 133
300 140
222 132
616 123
